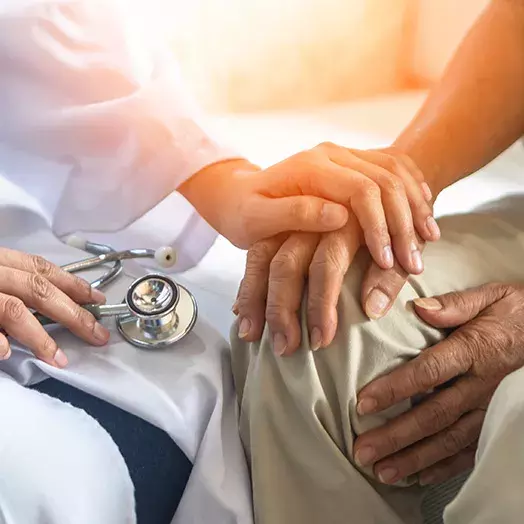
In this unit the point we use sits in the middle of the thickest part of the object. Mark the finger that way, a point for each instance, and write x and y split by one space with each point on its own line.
76 288
295 213
396 207
330 263
437 412
252 294
381 287
432 450
287 277
431 368
457 308
418 176
414 185
38 293
449 468
18 322
5 348
317 174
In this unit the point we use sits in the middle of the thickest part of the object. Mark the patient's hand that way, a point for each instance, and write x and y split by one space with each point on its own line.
278 268
438 437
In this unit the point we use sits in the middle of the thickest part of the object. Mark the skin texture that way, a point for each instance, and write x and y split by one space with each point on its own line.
472 115
438 437
311 191
28 281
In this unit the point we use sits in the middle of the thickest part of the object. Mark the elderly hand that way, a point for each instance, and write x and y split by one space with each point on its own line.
28 281
437 438
277 270
383 188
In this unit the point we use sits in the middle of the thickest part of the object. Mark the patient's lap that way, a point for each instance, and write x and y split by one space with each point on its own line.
474 249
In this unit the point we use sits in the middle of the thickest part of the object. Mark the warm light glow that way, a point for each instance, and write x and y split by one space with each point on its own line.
257 54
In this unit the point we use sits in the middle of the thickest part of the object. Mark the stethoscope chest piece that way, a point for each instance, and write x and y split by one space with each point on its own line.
161 312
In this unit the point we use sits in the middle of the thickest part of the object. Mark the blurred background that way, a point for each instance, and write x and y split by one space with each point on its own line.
251 55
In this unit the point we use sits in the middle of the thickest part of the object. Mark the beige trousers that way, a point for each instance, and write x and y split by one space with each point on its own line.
298 419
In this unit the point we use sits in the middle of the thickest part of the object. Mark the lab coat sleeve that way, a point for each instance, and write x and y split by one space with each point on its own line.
83 87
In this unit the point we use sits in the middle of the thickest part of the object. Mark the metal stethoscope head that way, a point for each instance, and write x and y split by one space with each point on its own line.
156 311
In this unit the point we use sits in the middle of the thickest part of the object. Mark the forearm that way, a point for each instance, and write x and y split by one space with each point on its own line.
201 189
477 110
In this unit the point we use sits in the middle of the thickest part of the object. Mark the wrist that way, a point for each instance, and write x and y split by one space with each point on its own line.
429 167
212 182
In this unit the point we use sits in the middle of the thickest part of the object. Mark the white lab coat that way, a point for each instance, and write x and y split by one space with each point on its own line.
95 130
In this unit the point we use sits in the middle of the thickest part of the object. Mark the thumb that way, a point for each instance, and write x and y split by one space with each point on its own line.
298 213
457 308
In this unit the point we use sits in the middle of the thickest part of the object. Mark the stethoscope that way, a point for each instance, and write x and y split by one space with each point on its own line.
156 311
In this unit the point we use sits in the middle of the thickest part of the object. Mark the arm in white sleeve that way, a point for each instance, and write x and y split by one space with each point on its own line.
82 89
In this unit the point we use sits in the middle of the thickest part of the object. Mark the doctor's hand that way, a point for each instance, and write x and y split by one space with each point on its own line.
438 437
311 190
277 271
28 281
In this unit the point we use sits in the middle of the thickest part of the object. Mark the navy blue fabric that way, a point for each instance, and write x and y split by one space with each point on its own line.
157 466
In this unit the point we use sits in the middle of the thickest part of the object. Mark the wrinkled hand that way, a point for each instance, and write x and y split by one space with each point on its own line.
277 270
437 438
383 188
28 281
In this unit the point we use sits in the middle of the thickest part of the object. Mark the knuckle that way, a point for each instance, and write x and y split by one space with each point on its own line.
259 255
433 416
454 440
285 263
84 320
14 309
427 371
335 260
41 266
303 212
40 287
276 314
83 286
393 164
392 184
48 346
368 190
459 301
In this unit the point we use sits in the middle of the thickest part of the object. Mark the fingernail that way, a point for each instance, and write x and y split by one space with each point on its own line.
428 195
5 356
366 405
433 228
60 359
365 456
315 339
101 333
234 309
431 304
376 304
279 344
416 259
244 328
333 215
425 480
98 296
388 257
388 475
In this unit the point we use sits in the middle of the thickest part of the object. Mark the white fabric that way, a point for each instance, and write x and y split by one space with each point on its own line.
96 129
96 125
40 450
186 390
